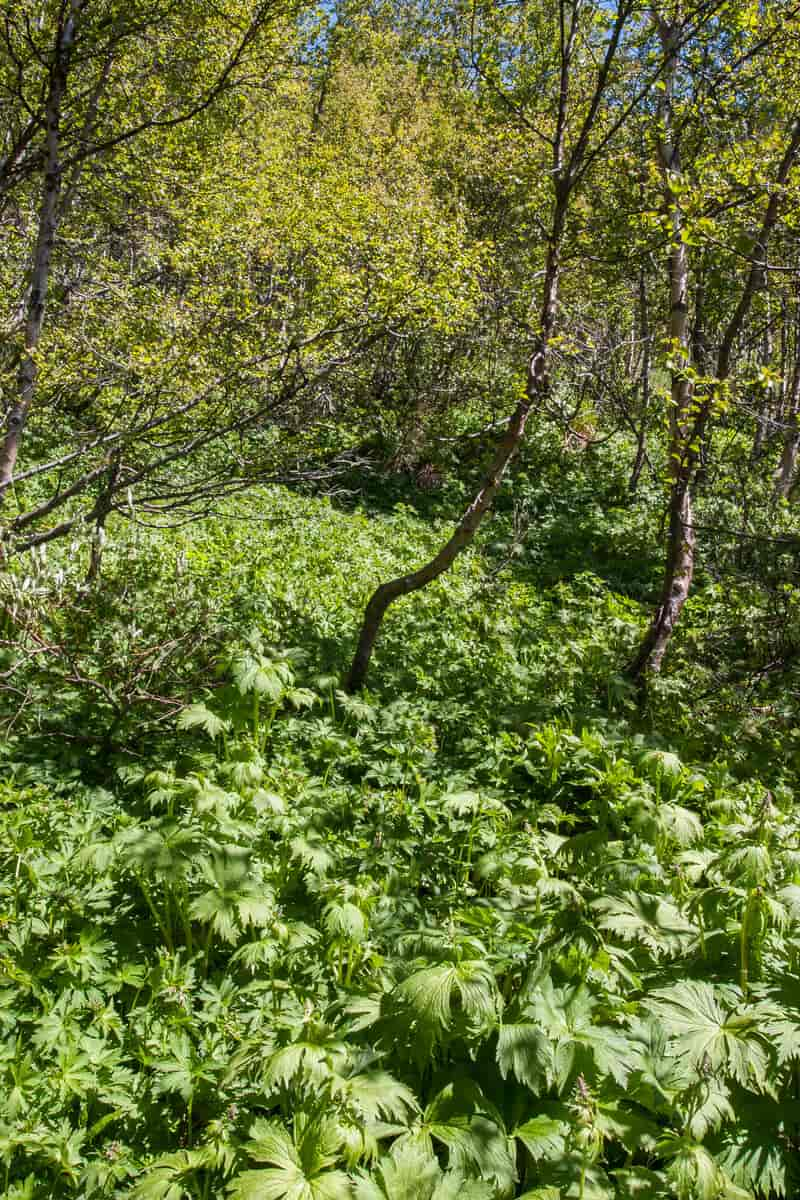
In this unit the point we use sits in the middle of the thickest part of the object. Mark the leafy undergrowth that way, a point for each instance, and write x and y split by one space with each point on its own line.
300 959
481 933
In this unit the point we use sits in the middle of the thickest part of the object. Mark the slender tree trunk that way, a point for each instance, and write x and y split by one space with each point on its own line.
644 333
43 254
689 419
679 566
677 582
787 467
464 532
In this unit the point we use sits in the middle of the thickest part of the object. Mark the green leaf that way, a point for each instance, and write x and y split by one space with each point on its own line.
299 1165
428 997
197 716
305 1060
254 673
650 920
345 922
524 1051
710 1037
543 1137
621 1123
165 1178
758 1152
637 1183
460 1118
692 1170
409 1173
290 1184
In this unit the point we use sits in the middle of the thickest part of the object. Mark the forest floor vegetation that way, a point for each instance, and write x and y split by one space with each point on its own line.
497 926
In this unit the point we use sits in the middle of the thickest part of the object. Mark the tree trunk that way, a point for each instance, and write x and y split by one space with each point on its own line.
644 333
689 420
461 537
677 582
46 234
679 566
537 386
787 467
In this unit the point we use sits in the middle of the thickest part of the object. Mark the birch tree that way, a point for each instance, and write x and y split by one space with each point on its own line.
78 81
694 396
570 62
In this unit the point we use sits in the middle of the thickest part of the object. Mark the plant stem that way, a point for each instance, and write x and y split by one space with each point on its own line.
702 929
156 915
187 925
207 951
744 946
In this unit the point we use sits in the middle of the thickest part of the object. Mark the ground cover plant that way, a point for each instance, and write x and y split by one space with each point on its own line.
489 929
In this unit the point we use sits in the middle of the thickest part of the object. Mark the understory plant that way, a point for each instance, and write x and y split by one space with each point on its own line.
300 959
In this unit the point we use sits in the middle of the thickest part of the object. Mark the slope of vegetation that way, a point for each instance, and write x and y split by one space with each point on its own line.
491 929
399 602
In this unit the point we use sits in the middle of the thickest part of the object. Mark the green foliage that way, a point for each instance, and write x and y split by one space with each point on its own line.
290 944
502 926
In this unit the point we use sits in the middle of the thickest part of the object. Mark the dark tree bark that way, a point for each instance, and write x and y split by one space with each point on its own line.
568 166
463 534
690 416
641 436
45 240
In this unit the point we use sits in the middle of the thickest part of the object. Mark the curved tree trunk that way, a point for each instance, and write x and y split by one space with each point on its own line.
461 537
536 389
567 168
